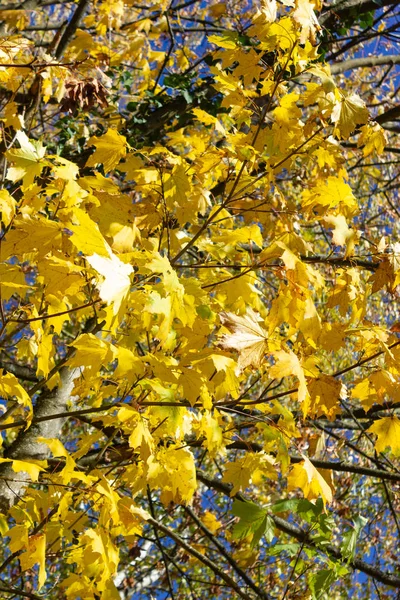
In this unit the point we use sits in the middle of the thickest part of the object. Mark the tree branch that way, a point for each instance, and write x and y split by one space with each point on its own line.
20 371
206 561
294 531
347 8
323 260
26 447
323 464
360 63
71 28
222 550
389 115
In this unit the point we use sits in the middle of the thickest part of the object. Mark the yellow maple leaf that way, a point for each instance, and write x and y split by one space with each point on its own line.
325 395
242 235
213 433
342 234
99 553
10 387
226 380
334 194
7 207
348 113
286 364
86 235
33 468
387 431
305 476
191 382
116 283
211 522
208 119
176 187
35 554
91 352
249 469
45 350
304 15
39 235
141 438
247 337
310 324
173 471
229 40
372 138
28 160
110 148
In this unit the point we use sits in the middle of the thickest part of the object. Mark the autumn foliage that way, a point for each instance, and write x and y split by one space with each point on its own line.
198 283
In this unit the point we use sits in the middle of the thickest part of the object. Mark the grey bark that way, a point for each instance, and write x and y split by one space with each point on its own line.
368 61
347 8
26 447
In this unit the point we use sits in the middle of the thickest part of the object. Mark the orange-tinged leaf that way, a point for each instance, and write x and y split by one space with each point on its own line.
325 395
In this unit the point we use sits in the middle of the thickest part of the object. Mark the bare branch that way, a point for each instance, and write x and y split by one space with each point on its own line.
360 63
71 28
206 561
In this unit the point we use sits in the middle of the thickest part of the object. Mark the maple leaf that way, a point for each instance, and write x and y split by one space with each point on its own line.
334 193
86 235
286 364
348 113
269 10
243 471
33 468
325 395
247 337
7 207
116 283
373 138
141 438
35 554
110 148
10 387
387 431
342 235
173 470
305 476
28 160
305 16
